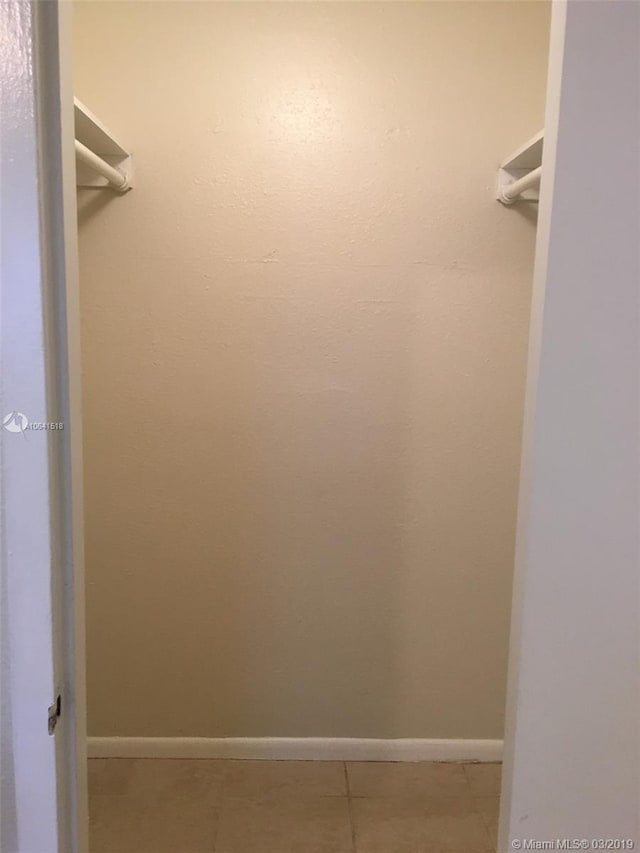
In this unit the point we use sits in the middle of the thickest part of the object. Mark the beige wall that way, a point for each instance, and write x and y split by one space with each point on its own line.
304 355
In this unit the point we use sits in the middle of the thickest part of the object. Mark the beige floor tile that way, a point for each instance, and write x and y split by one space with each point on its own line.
172 806
142 824
423 779
397 825
489 808
484 779
285 779
109 775
174 778
299 825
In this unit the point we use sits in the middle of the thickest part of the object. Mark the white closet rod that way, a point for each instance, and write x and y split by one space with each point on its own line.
117 179
510 192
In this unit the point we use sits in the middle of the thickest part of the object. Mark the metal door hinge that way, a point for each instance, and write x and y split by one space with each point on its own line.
54 714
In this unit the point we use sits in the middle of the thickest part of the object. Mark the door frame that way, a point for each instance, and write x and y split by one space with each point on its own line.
55 105
571 766
44 787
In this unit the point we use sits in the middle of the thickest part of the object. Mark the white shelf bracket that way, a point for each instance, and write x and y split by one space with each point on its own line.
519 175
100 160
114 177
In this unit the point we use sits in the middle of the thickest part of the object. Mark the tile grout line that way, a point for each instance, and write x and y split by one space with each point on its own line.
349 808
219 808
216 831
485 821
476 807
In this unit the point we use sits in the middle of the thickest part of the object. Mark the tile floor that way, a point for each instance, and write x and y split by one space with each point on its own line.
203 806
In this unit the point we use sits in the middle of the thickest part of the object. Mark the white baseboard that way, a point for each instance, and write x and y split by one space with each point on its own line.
297 749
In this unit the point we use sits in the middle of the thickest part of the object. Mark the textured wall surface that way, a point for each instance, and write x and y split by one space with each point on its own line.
304 354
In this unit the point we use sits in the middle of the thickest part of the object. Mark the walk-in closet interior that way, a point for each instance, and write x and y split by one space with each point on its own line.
306 237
